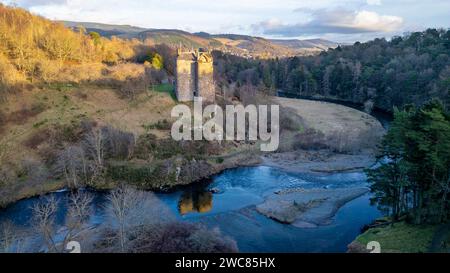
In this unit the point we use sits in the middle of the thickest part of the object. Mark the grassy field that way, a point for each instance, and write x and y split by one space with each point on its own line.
165 88
400 238
341 128
330 118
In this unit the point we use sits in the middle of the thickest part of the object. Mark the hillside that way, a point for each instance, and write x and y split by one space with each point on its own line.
313 44
123 31
74 98
240 45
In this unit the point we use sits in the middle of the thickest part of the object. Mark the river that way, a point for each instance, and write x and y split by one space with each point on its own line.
231 209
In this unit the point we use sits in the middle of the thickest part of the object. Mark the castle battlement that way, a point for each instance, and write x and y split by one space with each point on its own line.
194 75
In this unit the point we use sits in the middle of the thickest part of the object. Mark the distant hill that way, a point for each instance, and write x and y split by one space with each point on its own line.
107 30
241 45
320 44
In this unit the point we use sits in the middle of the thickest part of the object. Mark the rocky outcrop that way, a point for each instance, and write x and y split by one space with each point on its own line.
307 208
319 162
355 247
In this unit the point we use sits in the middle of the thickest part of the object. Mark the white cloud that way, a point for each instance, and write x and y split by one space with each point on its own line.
371 21
338 21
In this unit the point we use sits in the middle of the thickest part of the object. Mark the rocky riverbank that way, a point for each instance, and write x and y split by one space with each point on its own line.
307 208
319 162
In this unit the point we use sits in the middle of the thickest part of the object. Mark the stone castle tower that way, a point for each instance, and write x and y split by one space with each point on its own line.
194 75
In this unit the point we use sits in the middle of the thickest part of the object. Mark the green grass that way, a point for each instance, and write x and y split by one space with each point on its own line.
165 88
40 123
61 86
400 237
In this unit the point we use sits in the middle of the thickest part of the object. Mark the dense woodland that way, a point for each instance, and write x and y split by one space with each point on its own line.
408 69
413 179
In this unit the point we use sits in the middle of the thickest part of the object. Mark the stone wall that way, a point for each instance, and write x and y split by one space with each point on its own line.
185 80
194 76
205 78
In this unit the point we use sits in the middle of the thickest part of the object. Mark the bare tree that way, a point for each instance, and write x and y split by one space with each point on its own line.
368 106
94 144
35 170
12 238
119 144
72 165
44 213
129 208
7 237
79 211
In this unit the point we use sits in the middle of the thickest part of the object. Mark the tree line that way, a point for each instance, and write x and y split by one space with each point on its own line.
408 69
413 178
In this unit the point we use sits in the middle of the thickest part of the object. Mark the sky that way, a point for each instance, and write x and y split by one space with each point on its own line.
341 21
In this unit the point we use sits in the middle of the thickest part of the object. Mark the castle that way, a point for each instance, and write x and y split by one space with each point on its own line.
194 75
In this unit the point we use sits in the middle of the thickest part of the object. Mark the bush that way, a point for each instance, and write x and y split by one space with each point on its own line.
2 120
132 87
33 171
155 176
21 116
56 135
290 121
310 139
6 175
182 237
9 77
118 144
353 141
160 125
148 146
220 160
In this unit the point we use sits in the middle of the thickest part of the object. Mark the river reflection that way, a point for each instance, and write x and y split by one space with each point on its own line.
195 201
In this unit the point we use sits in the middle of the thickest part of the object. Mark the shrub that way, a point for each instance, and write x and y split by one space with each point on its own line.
219 160
309 139
6 175
37 138
160 125
2 120
33 171
21 116
153 176
9 77
148 146
119 144
290 121
176 237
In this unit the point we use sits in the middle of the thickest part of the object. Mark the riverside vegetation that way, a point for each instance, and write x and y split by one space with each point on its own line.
412 183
